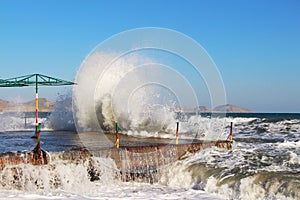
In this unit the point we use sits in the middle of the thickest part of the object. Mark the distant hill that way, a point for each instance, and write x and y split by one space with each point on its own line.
231 109
223 108
44 106
4 104
203 109
48 106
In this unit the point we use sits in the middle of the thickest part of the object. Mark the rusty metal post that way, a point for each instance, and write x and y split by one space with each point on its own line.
230 134
177 127
117 144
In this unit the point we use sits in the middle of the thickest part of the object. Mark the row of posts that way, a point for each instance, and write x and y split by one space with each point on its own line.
117 143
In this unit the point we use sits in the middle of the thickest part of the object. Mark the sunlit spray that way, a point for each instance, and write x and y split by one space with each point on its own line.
130 79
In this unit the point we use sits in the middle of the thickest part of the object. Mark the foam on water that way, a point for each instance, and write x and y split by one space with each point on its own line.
130 191
62 179
258 167
15 121
238 174
264 162
290 145
58 174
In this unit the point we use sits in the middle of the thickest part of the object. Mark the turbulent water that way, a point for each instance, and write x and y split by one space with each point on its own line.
263 164
142 83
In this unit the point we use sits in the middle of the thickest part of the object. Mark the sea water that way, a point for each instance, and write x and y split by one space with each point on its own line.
263 163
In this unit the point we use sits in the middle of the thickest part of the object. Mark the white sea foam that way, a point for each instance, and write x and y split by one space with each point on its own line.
294 158
289 145
18 122
142 98
119 191
61 179
176 175
210 174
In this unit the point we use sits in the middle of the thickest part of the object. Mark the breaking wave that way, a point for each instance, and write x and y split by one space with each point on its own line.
255 172
141 97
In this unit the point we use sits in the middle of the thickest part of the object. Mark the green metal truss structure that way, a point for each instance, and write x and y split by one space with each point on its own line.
34 80
3 81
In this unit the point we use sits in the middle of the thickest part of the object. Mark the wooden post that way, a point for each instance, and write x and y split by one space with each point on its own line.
230 134
37 124
177 127
117 144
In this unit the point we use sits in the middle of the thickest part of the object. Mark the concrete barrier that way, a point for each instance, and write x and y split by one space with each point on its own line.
126 158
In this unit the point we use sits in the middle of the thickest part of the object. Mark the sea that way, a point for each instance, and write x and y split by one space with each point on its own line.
264 162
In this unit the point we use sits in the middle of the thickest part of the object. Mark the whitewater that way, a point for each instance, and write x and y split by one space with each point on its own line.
263 164
139 90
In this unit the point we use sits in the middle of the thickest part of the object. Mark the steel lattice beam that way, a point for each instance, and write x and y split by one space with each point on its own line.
33 80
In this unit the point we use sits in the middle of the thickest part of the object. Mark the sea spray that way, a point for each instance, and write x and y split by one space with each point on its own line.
237 174
19 121
145 98
59 174
99 102
61 118
90 107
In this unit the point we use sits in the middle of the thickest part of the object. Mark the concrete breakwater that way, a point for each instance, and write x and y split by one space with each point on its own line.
126 158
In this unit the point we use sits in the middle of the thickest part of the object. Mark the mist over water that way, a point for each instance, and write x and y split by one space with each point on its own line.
140 97
61 118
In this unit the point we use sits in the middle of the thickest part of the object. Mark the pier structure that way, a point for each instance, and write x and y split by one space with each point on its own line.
128 159
35 80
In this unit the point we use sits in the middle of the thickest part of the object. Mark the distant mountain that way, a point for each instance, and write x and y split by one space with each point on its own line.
223 108
44 106
203 109
231 109
48 106
3 104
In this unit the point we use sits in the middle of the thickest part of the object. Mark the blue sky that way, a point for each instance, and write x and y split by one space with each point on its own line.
255 44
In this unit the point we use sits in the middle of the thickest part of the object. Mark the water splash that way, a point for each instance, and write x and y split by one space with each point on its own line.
59 174
144 97
61 118
123 93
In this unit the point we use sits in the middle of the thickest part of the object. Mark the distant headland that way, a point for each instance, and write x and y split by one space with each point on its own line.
44 106
48 106
228 108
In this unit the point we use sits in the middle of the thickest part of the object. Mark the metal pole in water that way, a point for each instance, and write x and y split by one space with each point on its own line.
117 144
177 127
230 134
37 124
36 105
39 140
28 80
